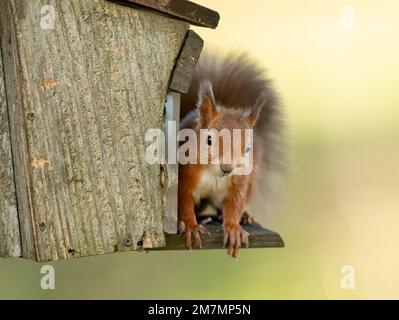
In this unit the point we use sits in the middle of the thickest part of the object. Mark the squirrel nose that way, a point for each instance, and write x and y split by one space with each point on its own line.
226 168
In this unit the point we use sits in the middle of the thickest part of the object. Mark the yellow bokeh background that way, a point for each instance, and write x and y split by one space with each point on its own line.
336 66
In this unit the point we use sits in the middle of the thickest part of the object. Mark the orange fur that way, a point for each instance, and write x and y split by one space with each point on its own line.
242 100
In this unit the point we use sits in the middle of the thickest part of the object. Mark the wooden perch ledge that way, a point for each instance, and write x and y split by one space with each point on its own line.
259 237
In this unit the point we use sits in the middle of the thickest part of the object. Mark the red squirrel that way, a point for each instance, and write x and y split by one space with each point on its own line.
230 93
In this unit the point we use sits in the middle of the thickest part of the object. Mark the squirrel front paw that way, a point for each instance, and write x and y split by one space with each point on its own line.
193 229
234 235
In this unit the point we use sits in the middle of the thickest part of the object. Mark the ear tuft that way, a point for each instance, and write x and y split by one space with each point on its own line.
257 108
206 103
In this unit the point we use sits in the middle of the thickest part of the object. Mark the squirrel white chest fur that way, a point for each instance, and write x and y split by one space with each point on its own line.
213 187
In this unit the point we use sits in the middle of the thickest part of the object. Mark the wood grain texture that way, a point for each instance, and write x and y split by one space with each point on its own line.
180 9
10 242
82 97
186 63
258 238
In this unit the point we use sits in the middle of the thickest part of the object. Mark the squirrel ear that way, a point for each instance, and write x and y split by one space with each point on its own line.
206 103
257 108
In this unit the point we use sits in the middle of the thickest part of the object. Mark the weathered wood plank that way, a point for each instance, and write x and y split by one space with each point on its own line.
82 97
10 242
186 63
181 9
13 80
258 238
170 192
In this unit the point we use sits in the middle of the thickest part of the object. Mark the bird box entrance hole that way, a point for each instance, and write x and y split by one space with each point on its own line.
259 237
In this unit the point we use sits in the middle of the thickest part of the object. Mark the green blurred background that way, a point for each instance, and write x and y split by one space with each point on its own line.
336 65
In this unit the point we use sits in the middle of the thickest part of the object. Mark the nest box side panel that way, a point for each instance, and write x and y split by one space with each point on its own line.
88 79
10 243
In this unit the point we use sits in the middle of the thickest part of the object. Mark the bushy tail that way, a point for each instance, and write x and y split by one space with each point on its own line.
239 82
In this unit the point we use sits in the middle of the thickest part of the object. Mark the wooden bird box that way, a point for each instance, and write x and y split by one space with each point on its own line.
81 82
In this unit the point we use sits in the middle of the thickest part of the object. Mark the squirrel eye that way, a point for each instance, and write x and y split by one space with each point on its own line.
249 148
209 140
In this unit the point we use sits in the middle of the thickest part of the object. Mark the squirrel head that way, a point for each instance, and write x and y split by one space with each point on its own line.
226 132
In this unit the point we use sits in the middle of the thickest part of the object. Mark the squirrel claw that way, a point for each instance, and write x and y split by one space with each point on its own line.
247 219
235 236
196 230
